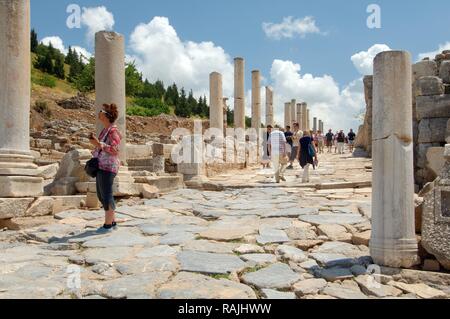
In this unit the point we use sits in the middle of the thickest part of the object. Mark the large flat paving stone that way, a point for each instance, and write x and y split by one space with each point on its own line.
208 263
121 238
276 276
195 286
330 219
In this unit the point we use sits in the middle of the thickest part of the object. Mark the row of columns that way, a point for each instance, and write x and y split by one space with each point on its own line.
393 241
300 113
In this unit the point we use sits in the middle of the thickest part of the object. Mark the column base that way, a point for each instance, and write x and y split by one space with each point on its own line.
21 186
395 253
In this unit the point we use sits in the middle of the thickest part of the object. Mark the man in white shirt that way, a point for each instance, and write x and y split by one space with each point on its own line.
295 145
278 152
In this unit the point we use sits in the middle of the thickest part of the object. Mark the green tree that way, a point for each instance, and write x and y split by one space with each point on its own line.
192 104
34 41
76 66
44 63
182 107
58 68
172 96
133 80
159 89
85 81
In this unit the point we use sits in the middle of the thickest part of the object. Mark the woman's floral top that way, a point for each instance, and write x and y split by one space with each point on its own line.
108 155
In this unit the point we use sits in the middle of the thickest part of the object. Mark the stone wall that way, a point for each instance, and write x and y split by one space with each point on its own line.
431 108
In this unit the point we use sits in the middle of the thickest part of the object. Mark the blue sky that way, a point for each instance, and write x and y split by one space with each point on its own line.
236 26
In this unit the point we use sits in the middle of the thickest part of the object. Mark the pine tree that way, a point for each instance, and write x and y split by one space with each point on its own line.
69 57
159 89
192 104
52 51
76 66
44 63
34 41
58 68
182 108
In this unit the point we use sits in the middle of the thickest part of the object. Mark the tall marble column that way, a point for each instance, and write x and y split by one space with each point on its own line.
269 106
304 116
239 93
110 88
287 114
293 113
256 100
18 173
216 102
315 128
393 241
298 116
308 120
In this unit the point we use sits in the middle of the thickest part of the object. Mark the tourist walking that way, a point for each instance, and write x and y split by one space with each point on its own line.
297 135
340 139
278 152
351 140
330 139
266 155
288 135
320 141
307 155
107 153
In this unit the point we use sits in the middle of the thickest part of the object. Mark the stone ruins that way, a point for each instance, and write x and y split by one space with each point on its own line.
362 228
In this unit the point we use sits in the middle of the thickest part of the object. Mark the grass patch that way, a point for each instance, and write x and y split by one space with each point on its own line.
42 108
220 276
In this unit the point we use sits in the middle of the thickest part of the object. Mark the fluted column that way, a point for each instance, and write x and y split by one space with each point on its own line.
269 106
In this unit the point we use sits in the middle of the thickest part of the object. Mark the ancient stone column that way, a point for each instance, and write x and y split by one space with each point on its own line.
304 116
269 106
225 113
287 114
315 129
256 100
308 119
216 101
393 241
239 93
18 173
293 113
110 88
298 117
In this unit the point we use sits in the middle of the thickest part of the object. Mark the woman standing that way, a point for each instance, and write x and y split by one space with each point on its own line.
107 152
308 155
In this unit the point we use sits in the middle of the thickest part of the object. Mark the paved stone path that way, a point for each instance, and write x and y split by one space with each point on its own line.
254 239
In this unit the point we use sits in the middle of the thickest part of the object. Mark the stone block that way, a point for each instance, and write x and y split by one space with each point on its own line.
431 265
448 132
92 201
421 154
424 68
444 72
149 191
158 149
48 171
14 207
63 203
435 106
20 186
119 189
139 151
429 85
433 130
435 160
43 143
42 206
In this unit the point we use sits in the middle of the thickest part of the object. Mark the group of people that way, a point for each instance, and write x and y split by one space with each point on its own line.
284 147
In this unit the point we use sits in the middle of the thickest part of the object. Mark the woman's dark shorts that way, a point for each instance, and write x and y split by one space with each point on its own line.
105 181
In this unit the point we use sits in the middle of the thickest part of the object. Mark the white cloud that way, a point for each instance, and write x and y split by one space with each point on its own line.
363 60
337 108
160 54
96 19
290 28
58 43
433 54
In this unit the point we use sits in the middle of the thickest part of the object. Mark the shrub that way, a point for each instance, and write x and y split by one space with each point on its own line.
147 107
46 80
42 108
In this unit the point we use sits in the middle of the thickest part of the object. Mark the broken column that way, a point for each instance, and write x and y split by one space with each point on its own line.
256 100
315 129
304 116
216 101
110 88
287 114
293 113
239 93
298 117
18 173
308 120
393 241
269 106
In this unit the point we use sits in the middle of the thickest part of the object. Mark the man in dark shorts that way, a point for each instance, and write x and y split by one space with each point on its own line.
329 138
351 140
288 135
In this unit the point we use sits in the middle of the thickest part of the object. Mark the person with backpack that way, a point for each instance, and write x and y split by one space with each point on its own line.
340 139
307 155
329 138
